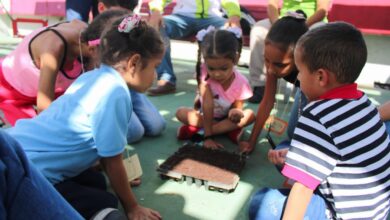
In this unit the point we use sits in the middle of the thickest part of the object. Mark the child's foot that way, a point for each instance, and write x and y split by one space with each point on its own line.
186 132
235 135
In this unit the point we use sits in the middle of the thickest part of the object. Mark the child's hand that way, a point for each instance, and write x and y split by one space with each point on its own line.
210 143
141 212
235 115
277 157
246 147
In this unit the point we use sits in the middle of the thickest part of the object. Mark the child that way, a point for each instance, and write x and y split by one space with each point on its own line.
279 57
222 88
145 118
45 63
340 147
89 123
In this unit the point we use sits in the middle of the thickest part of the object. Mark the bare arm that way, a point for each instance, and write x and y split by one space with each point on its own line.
320 13
297 202
384 111
49 66
273 10
208 116
116 173
264 109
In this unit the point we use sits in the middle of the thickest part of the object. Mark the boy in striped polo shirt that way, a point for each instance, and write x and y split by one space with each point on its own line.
340 152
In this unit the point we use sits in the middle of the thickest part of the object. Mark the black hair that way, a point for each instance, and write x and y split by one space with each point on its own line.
99 23
127 4
116 46
218 44
337 47
286 31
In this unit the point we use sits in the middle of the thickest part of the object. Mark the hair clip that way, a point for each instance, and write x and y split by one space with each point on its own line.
235 30
295 15
94 42
200 35
129 23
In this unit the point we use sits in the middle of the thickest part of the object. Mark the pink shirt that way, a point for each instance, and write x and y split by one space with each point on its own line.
21 73
223 99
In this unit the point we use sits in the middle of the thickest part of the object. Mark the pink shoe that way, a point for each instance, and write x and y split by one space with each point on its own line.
234 135
185 132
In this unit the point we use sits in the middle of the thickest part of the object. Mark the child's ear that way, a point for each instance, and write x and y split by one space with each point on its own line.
323 77
237 58
134 62
93 51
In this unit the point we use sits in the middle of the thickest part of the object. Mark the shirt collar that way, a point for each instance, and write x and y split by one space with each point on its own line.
348 91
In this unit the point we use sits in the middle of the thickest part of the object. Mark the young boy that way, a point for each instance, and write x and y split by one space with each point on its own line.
340 147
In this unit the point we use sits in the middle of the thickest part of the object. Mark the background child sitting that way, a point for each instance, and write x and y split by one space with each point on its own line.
340 147
222 88
89 123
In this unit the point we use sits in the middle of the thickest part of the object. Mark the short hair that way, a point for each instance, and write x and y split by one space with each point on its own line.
127 4
337 47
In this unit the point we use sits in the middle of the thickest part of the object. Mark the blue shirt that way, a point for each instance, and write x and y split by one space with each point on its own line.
88 122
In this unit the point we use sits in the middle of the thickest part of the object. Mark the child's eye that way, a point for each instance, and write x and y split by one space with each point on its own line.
280 65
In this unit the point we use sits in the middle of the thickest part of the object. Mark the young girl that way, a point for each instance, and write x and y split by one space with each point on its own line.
222 88
89 123
279 61
45 63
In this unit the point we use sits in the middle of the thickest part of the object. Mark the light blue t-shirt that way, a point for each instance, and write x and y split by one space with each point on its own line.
86 123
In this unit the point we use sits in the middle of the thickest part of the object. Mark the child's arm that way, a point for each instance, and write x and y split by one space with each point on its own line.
208 115
384 111
297 202
49 66
116 173
263 112
320 13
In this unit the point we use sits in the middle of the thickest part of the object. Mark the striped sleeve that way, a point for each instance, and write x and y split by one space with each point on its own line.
313 155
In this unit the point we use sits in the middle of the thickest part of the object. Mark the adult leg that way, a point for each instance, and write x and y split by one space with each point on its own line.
270 204
256 63
152 121
24 192
87 193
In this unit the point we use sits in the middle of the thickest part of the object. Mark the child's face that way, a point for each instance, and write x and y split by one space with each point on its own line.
278 62
220 69
143 76
308 80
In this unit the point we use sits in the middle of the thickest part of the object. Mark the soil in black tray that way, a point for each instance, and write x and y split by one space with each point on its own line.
203 163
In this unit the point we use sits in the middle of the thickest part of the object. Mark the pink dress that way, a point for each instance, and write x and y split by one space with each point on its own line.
19 78
223 99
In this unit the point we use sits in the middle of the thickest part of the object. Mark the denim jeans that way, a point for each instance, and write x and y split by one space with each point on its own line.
177 27
145 119
270 203
387 124
300 101
24 192
76 9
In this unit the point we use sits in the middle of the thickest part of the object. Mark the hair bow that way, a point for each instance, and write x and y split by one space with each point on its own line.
129 23
200 35
295 15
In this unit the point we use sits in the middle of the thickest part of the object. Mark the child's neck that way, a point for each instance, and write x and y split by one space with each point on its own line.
226 84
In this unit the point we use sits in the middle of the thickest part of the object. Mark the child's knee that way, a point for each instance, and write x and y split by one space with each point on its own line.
267 203
135 134
157 128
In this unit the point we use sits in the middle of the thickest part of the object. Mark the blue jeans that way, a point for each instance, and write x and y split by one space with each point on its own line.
76 9
270 203
300 101
24 192
145 119
387 124
177 27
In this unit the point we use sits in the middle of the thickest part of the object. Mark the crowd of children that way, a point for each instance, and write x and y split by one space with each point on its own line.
73 94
